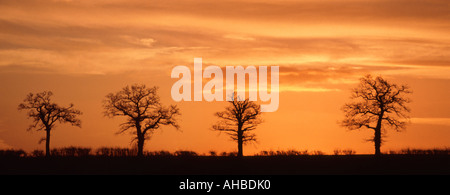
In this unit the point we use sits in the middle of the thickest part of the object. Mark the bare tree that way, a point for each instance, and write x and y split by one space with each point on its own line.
45 114
239 120
144 112
381 105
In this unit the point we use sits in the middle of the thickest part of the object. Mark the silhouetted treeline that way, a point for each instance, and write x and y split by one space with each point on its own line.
344 152
116 152
412 151
13 153
288 153
73 151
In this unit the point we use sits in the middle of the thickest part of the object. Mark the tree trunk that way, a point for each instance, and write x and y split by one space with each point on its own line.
140 146
47 143
141 139
377 140
377 136
240 143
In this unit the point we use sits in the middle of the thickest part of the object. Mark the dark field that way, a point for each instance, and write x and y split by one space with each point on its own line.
225 165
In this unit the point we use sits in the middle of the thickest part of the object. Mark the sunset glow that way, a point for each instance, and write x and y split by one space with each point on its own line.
83 50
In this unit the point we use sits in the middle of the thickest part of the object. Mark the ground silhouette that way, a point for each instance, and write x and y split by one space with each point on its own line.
408 161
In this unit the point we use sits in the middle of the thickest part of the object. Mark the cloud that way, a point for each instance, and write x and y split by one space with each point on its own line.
239 37
431 121
312 37
147 41
291 88
24 68
3 145
330 73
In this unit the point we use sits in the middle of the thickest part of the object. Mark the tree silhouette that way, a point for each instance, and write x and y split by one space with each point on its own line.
239 120
381 105
143 110
45 114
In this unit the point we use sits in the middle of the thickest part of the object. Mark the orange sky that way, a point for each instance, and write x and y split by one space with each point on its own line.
83 50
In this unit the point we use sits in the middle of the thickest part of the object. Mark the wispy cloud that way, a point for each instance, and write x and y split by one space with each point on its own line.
311 36
290 88
3 145
431 121
239 37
